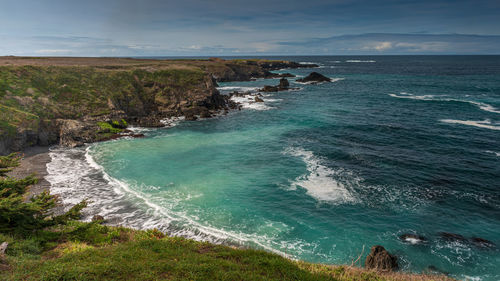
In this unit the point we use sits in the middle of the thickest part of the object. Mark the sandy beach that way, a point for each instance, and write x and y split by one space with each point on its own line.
34 161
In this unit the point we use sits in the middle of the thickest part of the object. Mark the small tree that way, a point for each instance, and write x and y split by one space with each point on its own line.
20 216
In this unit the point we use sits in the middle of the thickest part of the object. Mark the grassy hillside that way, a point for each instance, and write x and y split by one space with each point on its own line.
90 251
29 93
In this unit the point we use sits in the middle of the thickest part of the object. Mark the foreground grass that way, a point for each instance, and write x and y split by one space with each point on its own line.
90 251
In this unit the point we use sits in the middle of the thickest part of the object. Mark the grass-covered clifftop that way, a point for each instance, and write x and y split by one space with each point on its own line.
91 251
39 95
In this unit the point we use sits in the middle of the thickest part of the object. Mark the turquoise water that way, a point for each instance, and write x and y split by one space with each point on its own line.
395 145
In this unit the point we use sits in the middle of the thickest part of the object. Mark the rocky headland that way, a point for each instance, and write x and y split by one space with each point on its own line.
72 101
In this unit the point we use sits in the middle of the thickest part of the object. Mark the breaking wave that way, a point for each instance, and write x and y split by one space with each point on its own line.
481 105
319 181
486 124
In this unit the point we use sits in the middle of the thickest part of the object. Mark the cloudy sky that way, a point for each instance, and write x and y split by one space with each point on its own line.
235 27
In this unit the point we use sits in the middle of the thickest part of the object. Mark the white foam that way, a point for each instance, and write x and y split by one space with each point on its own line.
335 61
238 88
357 61
139 129
319 180
493 152
487 124
248 102
481 105
172 121
413 241
332 80
308 62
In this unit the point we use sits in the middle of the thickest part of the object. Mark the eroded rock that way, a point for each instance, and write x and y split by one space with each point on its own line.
380 259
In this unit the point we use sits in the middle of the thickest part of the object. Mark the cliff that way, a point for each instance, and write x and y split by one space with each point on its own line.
66 101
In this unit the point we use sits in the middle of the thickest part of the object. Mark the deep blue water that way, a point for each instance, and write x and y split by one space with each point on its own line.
396 144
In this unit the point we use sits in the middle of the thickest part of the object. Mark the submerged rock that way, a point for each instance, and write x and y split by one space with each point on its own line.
452 237
412 238
269 89
380 259
434 270
314 77
482 243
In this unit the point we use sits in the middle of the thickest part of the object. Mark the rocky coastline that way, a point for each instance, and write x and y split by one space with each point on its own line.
62 101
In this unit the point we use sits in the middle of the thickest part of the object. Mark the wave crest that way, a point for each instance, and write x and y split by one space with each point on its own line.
319 180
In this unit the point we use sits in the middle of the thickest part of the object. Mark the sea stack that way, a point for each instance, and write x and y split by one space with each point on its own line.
314 77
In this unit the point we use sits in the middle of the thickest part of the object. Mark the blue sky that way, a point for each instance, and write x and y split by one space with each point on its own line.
196 27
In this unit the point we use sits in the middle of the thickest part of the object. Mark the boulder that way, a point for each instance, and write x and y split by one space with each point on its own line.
284 84
412 238
380 259
97 218
314 77
258 99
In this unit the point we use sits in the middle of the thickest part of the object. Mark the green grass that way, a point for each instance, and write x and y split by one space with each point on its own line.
90 251
29 94
109 128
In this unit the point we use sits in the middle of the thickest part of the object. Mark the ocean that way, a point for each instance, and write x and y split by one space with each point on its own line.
394 145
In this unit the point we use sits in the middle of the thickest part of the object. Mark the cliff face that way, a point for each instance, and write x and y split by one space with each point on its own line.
46 101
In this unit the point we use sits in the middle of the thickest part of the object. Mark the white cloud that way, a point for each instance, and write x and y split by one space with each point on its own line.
52 51
378 46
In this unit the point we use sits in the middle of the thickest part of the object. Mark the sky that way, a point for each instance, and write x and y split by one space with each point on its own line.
237 28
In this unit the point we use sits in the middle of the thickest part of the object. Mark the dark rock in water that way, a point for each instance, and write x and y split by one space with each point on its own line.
482 243
137 135
284 84
412 238
452 237
286 75
258 99
434 270
314 77
380 259
268 89
97 218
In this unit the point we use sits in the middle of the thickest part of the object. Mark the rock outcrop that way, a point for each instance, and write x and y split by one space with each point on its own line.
284 85
314 77
380 259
